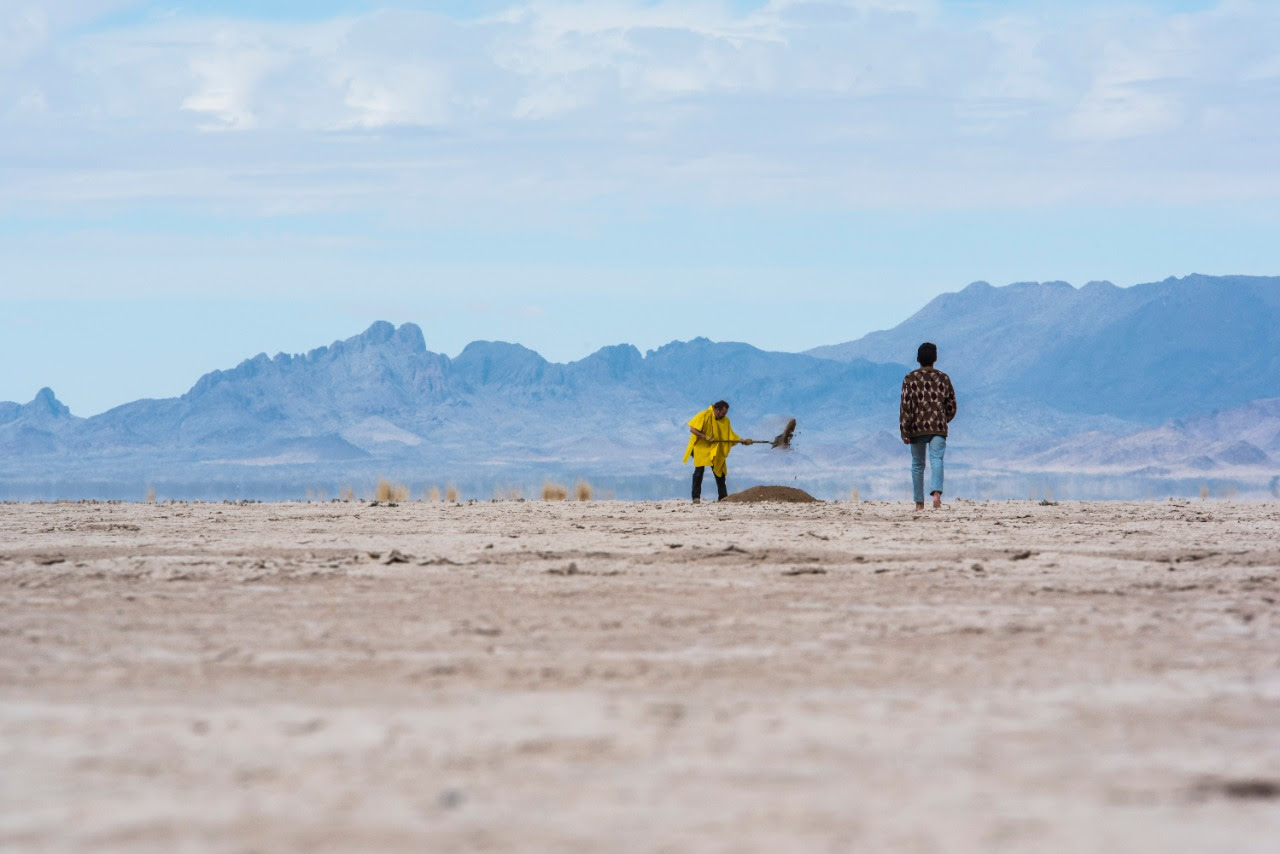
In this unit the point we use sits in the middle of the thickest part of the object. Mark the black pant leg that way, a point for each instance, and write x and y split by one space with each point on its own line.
698 471
722 487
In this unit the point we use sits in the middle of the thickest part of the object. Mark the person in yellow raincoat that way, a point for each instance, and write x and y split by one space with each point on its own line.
711 437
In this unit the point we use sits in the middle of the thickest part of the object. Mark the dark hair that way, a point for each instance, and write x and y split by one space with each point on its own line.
720 404
927 354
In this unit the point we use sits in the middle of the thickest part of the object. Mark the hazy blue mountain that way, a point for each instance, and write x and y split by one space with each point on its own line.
1245 436
381 402
1157 387
43 426
1144 353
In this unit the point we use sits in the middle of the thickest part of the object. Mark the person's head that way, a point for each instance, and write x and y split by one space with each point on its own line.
720 408
927 354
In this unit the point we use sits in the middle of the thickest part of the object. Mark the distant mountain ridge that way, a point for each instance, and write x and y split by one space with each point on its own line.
1155 384
1144 353
380 401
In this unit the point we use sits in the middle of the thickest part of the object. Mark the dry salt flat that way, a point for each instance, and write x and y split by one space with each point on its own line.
617 676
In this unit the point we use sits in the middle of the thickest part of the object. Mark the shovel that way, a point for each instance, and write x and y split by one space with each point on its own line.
782 440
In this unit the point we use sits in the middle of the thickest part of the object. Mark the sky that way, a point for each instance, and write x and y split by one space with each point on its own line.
184 185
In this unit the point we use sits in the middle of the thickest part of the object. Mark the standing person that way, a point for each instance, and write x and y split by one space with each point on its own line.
711 438
928 405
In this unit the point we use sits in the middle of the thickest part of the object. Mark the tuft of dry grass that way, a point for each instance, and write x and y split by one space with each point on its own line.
433 494
389 492
583 491
151 495
856 497
346 493
554 491
451 493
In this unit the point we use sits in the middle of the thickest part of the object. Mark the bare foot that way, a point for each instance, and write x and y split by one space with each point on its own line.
919 506
937 501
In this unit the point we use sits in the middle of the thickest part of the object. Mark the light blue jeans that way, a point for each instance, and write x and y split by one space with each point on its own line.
937 446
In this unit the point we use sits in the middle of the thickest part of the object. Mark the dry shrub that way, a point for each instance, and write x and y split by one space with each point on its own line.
1204 493
856 497
554 492
433 494
151 495
451 493
583 491
391 492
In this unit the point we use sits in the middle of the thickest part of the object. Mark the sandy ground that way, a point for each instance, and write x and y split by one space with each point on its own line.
640 677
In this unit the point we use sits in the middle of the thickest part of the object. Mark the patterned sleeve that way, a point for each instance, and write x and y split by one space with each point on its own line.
950 401
904 407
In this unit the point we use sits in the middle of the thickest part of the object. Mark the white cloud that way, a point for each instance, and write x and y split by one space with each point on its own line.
230 80
1120 111
32 101
840 103
24 30
411 94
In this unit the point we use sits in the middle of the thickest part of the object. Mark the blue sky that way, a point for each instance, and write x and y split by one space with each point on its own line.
186 184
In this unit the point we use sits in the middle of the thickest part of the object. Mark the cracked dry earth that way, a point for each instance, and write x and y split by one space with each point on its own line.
615 676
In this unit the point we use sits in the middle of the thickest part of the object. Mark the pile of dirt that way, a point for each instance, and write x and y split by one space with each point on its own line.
772 493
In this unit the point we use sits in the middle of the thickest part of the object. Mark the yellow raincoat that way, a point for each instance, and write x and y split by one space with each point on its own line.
706 453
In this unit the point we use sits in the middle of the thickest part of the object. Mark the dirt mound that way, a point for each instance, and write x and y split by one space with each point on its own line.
772 493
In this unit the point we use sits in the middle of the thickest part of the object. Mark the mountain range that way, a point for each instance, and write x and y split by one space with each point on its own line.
1092 392
1143 353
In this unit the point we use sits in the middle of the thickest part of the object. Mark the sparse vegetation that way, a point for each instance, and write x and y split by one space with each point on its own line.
554 491
151 495
583 491
855 498
391 492
451 493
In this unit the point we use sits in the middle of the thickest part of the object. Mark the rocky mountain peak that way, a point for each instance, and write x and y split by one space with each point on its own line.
46 405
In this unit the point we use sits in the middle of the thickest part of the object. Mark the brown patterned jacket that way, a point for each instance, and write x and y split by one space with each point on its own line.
928 403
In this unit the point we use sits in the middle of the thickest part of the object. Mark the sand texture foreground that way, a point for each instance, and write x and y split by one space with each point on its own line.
640 676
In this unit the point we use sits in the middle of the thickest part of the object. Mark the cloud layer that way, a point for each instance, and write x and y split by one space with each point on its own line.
542 108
